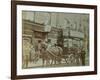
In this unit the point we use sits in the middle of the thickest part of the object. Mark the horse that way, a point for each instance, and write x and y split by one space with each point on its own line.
34 55
72 55
51 55
77 56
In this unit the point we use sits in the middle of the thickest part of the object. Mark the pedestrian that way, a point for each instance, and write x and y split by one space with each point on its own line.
83 56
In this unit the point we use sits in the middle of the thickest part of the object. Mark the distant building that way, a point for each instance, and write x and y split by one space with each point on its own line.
53 34
74 26
32 32
72 36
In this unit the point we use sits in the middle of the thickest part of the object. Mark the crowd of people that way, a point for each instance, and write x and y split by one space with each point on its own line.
34 53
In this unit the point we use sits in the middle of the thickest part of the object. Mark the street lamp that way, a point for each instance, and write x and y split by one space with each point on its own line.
47 29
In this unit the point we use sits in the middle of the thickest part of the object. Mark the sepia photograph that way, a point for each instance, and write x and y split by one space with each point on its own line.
54 39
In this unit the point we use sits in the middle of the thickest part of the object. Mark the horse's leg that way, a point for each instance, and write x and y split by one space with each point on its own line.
55 60
35 58
80 60
59 59
26 61
43 61
51 62
72 58
48 62
77 60
66 58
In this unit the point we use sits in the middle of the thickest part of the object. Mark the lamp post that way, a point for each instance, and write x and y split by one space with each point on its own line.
47 25
47 29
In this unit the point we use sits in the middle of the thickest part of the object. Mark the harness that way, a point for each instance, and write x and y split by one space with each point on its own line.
53 54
